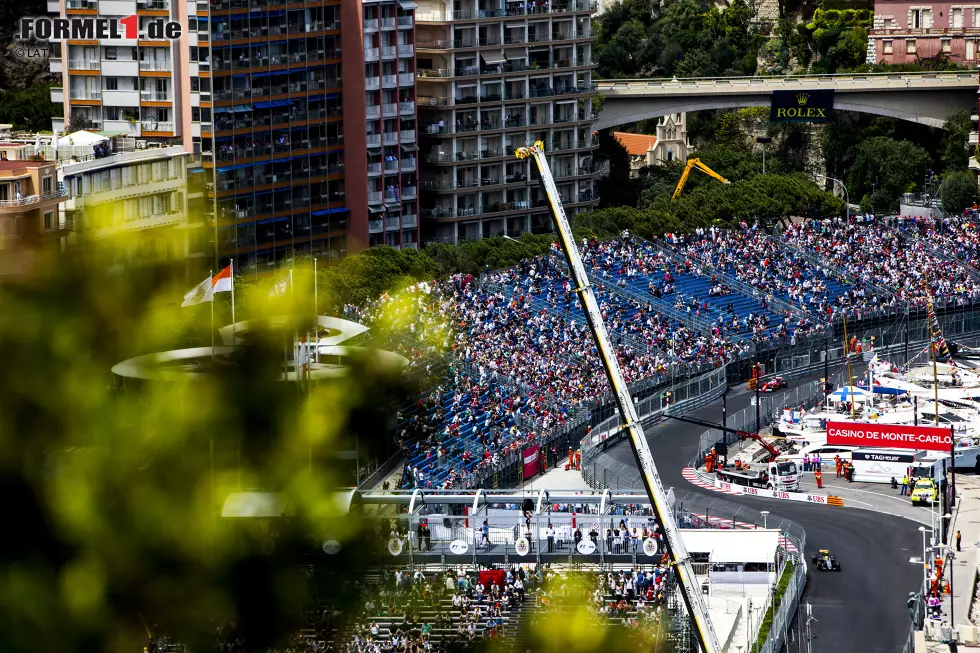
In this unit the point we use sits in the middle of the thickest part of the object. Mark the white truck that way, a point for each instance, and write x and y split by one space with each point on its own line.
780 475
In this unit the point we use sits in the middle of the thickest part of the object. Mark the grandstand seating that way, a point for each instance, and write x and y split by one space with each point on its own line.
773 289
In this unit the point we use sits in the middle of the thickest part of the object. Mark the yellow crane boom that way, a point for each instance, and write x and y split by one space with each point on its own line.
691 164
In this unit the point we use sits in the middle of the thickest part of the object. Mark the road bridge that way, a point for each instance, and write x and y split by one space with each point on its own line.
925 98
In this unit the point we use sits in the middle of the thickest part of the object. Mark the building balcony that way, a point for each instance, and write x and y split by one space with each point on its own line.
406 107
392 223
83 64
374 196
406 50
389 80
372 111
372 83
391 197
389 23
373 139
389 52
81 4
406 79
60 192
156 96
410 221
374 169
370 25
408 164
407 135
435 73
390 138
405 22
389 110
391 167
434 44
409 192
375 226
157 125
85 94
371 54
152 65
153 5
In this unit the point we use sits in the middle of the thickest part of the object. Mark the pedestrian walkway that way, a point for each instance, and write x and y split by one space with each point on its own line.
558 478
963 570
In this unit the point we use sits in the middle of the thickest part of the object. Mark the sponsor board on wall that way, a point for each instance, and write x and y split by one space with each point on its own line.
889 436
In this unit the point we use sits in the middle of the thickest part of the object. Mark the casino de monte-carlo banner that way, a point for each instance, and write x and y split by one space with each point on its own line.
802 106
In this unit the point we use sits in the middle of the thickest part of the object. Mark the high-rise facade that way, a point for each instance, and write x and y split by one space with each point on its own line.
388 29
495 75
273 95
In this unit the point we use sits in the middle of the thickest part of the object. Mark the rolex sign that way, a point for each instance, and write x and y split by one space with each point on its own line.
802 106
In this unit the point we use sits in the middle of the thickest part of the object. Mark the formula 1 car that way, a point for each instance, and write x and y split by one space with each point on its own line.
825 561
773 384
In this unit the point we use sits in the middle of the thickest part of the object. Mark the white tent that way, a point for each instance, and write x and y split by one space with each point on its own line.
80 139
733 546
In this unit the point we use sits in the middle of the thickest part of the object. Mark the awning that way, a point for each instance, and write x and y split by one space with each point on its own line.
376 209
409 147
407 5
331 211
241 109
226 109
263 105
491 58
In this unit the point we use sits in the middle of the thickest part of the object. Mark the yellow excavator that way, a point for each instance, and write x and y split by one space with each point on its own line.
691 164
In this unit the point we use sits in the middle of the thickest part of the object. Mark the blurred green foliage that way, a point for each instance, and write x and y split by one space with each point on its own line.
113 492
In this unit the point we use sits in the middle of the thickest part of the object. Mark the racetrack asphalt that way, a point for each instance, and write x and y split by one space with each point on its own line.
863 608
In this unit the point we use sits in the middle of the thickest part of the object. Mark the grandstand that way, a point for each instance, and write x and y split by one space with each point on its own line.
523 362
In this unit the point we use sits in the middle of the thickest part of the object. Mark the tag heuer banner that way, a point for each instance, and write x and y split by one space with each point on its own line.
802 106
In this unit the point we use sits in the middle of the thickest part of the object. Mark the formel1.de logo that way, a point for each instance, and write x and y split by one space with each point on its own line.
89 28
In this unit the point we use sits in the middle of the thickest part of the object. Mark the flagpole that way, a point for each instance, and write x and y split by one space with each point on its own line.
232 266
210 277
316 314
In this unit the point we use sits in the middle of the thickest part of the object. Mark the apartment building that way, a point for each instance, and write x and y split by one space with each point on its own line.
261 90
135 204
133 87
905 32
29 221
388 28
495 75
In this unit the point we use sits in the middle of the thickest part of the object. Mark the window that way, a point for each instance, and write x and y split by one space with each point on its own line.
971 50
886 47
111 83
910 46
956 17
927 18
49 220
915 18
110 53
945 45
46 185
193 49
195 114
112 113
195 84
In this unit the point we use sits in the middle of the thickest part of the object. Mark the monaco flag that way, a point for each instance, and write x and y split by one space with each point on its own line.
204 291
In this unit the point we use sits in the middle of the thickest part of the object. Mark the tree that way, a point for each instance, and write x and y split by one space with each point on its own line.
893 166
956 133
958 191
29 108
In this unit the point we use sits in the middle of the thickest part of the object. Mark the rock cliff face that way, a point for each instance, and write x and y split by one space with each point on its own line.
22 64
